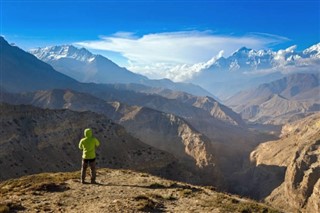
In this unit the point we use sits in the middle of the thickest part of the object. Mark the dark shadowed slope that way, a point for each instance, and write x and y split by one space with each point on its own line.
21 71
36 140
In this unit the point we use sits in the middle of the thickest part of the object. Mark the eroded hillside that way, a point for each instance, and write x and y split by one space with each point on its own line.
298 151
36 140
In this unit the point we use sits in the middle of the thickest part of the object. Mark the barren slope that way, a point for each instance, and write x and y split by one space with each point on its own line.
117 191
34 140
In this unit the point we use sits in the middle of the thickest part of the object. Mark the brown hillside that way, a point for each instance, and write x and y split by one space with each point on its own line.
34 140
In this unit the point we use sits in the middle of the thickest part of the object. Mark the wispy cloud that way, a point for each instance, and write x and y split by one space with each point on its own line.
176 55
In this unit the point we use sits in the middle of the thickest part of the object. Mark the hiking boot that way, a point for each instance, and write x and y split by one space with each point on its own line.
93 182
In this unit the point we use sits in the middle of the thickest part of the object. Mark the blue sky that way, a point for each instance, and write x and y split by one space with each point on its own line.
116 28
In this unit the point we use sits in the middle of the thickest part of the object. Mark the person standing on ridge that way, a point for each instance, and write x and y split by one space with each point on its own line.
88 146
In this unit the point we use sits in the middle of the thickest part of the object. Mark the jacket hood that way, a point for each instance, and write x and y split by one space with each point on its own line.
88 133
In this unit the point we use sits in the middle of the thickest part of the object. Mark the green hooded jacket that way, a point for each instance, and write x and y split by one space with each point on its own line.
88 145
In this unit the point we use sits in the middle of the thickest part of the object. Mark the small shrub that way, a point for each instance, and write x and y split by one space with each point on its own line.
148 205
185 192
4 208
169 197
157 186
52 187
11 207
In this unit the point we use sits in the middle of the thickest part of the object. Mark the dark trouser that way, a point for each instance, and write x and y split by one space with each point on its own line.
92 163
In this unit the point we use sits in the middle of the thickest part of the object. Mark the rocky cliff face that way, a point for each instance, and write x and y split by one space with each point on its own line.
174 135
35 140
167 132
299 151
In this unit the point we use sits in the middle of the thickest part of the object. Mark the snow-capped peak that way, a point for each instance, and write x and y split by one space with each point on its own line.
242 51
313 51
247 60
63 51
282 55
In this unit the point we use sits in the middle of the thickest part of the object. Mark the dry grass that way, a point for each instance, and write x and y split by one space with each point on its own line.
158 186
231 204
49 181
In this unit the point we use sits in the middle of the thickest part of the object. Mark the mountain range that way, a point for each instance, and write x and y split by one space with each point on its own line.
194 123
247 68
222 77
200 111
37 75
84 66
280 101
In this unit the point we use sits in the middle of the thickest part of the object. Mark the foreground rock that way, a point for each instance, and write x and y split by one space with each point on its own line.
117 191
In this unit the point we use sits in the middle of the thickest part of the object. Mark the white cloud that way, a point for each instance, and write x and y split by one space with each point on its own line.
176 55
175 72
288 61
281 55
